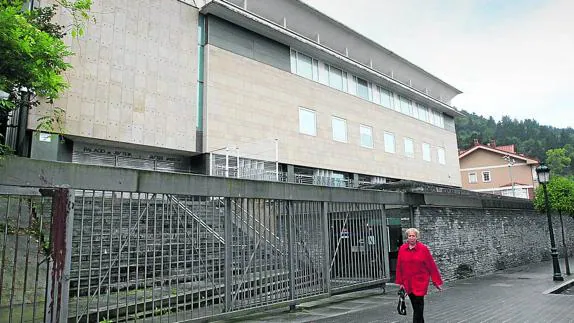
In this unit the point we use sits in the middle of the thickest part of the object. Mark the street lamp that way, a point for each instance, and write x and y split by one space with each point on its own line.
543 173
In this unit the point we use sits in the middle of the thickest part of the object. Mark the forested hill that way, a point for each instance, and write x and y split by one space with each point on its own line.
530 138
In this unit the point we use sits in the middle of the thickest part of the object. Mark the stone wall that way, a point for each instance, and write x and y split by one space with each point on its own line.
475 241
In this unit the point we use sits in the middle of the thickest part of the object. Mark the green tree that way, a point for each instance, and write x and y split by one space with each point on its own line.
560 196
33 55
559 161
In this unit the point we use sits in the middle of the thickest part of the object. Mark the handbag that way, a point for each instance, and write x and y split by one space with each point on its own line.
402 306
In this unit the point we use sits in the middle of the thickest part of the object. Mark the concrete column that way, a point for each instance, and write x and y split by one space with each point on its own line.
355 180
290 174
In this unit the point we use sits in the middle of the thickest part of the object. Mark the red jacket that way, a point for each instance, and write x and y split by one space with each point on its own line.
415 267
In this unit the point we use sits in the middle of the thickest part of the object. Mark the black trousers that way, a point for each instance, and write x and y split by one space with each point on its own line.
418 303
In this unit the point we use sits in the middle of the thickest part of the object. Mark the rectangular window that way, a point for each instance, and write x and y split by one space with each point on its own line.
307 122
426 152
293 61
437 119
441 155
352 84
336 78
376 94
304 66
406 106
339 129
472 178
386 98
315 70
486 176
409 147
362 88
423 113
323 73
389 142
366 136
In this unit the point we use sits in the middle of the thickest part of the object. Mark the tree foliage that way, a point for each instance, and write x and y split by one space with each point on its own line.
558 161
33 55
560 196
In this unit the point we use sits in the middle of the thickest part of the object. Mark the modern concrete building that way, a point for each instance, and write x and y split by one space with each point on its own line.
498 170
262 89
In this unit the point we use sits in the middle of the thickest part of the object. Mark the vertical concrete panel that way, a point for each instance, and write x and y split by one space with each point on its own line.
134 60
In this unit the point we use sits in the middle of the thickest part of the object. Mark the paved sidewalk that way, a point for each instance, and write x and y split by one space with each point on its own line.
513 295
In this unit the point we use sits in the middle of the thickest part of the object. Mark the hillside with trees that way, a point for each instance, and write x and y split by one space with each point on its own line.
555 146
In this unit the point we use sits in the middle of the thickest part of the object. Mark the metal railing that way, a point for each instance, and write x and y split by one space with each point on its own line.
125 256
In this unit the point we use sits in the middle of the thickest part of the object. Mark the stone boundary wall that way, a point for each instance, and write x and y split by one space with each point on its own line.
470 242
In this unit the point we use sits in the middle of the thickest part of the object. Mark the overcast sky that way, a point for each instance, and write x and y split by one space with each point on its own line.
509 57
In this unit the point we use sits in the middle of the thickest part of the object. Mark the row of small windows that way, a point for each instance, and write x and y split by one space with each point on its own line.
336 78
486 178
308 126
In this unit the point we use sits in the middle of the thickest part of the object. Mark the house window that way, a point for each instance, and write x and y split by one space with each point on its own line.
362 88
441 155
366 136
339 129
472 178
486 176
307 122
426 152
409 148
389 142
336 78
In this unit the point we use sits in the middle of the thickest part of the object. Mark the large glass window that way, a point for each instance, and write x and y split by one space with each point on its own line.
336 78
366 136
423 112
386 98
307 122
389 142
406 106
409 147
362 88
426 152
339 129
323 73
441 155
305 66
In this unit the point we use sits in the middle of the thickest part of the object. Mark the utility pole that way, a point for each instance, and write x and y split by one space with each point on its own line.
510 162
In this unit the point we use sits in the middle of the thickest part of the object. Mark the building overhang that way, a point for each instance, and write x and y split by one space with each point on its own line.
281 34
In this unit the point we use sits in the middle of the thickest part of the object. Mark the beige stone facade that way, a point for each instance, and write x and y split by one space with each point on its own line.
134 76
248 101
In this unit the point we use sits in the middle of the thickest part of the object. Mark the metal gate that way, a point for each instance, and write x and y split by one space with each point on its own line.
93 256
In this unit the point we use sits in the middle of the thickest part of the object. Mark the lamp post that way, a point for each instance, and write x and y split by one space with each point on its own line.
510 162
543 173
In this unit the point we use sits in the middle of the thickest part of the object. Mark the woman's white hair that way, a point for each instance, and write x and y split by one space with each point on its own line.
413 230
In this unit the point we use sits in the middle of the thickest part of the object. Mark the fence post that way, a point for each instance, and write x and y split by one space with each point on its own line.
326 246
386 243
291 249
228 238
60 254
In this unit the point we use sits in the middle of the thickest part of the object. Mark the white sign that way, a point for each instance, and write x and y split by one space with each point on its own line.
46 137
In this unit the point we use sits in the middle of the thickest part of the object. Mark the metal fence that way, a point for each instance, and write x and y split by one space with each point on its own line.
93 256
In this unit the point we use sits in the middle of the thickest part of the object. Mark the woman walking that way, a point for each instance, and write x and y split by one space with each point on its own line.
415 265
